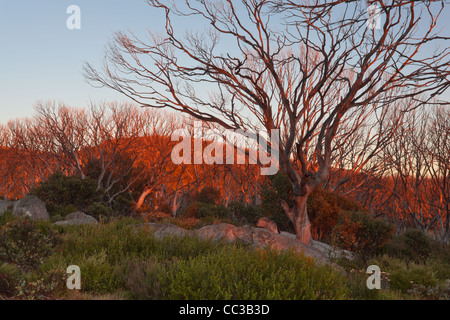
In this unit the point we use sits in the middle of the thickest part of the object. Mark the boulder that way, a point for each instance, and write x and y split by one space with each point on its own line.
325 249
160 230
6 205
32 207
268 224
78 215
256 237
77 218
259 238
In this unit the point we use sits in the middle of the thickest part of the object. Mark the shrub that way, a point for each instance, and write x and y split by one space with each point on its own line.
324 207
99 211
274 189
191 211
213 211
405 278
122 205
102 252
33 287
413 245
208 195
245 212
26 245
439 292
62 194
361 234
404 275
419 243
200 210
236 273
324 210
10 276
6 217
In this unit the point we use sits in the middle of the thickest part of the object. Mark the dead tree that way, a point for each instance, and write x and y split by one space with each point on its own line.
283 65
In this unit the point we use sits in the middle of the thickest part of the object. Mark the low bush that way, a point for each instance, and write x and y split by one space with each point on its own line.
245 212
10 277
324 207
62 194
439 292
413 245
236 273
274 189
6 217
208 195
99 211
418 242
405 275
26 244
200 210
324 210
360 234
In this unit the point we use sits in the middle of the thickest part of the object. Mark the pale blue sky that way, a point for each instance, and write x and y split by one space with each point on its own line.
40 59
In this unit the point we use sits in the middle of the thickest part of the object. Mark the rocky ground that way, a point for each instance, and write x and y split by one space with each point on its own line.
266 234
254 236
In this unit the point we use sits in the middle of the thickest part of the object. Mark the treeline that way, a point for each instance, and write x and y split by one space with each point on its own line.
126 150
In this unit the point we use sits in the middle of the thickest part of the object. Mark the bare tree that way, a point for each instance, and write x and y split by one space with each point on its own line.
296 66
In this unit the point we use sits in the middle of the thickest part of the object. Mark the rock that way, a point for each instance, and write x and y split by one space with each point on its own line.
32 207
256 237
6 205
160 230
74 222
268 224
78 215
224 231
325 249
330 251
77 218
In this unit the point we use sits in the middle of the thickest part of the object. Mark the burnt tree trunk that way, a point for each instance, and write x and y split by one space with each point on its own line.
299 217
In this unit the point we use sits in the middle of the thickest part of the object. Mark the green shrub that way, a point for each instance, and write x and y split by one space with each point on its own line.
62 194
39 287
419 243
99 211
103 251
25 244
214 211
441 251
245 212
404 275
413 245
274 189
10 276
200 210
236 273
361 234
405 278
324 207
6 217
324 210
208 195
439 292
122 205
143 279
191 211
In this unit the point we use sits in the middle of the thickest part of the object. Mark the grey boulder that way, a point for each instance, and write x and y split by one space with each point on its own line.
77 218
31 207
